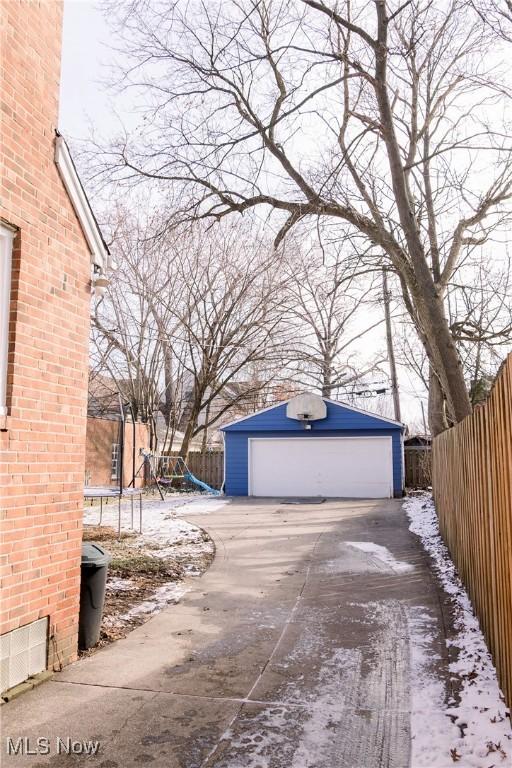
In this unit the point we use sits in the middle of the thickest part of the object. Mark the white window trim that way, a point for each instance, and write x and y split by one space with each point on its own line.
115 457
7 235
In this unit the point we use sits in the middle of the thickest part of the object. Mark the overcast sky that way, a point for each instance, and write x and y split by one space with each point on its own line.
85 104
84 54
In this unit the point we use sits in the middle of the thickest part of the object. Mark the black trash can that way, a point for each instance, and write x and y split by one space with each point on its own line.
95 562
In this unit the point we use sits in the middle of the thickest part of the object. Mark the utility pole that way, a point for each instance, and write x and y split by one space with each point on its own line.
389 341
425 430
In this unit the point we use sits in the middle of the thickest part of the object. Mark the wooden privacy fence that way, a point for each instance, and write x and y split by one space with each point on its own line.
208 467
418 466
472 482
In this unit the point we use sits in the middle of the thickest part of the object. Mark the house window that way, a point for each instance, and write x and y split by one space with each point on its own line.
7 234
115 461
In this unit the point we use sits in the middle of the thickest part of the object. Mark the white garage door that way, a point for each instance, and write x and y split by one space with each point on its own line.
358 467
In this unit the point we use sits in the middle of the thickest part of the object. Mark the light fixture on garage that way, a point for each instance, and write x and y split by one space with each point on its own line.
99 280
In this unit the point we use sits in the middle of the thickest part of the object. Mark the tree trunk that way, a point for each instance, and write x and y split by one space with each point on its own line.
191 427
428 303
436 405
153 438
204 441
327 376
442 352
187 437
167 407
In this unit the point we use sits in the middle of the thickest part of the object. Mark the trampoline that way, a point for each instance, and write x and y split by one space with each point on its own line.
95 492
120 491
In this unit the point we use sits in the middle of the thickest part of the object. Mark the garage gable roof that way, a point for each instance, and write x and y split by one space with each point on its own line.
340 416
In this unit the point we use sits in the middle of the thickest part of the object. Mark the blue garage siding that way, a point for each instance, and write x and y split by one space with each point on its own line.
340 422
338 418
236 446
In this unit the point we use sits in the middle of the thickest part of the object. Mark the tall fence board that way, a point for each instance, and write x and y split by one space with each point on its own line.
472 483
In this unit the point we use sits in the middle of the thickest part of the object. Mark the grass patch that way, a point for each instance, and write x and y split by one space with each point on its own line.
136 563
104 533
129 560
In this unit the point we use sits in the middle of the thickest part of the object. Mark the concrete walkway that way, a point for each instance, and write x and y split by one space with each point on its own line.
292 651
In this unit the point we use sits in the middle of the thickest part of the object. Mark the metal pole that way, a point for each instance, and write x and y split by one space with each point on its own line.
121 464
389 342
134 446
101 508
121 446
140 512
425 431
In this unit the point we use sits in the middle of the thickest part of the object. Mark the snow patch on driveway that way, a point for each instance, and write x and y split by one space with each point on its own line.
381 553
483 736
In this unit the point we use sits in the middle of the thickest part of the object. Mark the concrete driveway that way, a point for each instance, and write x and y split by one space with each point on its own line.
292 651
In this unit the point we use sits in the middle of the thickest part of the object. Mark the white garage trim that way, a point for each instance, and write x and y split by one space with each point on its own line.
301 468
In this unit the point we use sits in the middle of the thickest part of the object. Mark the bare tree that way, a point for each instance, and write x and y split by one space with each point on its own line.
130 337
372 113
226 311
480 306
186 319
480 317
325 305
497 14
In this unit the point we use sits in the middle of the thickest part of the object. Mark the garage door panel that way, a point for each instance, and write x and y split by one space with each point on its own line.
352 467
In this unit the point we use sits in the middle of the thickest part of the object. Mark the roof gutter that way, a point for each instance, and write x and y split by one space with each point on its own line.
92 233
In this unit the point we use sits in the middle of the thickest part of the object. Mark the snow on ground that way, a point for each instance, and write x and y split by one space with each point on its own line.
117 583
164 595
165 534
161 523
480 735
381 553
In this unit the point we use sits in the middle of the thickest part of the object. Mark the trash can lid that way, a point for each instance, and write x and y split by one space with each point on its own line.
94 555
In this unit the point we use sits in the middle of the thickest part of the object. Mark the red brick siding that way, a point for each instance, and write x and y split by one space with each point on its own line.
101 434
43 446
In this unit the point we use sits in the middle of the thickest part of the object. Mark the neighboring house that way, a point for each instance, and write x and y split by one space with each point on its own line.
52 253
418 441
103 455
104 399
105 407
312 446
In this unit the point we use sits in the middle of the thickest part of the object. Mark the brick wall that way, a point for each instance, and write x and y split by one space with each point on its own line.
101 435
43 444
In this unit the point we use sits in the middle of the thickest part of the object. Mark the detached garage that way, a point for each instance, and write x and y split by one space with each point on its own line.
310 446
